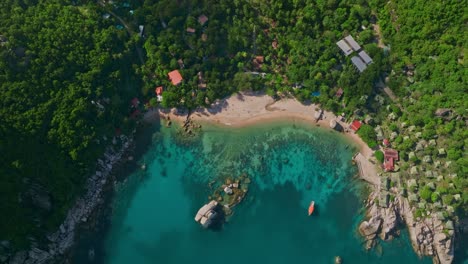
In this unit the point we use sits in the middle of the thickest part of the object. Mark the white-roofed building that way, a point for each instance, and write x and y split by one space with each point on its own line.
352 43
365 57
360 65
344 47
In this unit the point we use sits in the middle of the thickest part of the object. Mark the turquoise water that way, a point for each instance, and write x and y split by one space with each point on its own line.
289 164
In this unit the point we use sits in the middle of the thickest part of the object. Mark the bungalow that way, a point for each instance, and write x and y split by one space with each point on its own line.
339 93
365 57
181 63
412 182
368 120
360 65
413 197
390 156
351 42
201 80
158 92
355 125
431 185
386 142
202 19
344 47
274 44
442 152
384 199
431 174
427 159
175 77
258 62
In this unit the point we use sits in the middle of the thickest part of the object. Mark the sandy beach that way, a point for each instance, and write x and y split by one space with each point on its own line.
241 110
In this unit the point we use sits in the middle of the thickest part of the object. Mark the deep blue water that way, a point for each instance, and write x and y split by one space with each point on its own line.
289 165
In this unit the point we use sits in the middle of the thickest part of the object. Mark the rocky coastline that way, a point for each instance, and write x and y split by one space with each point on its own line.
62 240
429 236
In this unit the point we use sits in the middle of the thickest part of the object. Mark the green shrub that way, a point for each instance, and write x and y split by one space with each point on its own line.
435 197
418 213
367 134
447 199
379 156
425 193
442 190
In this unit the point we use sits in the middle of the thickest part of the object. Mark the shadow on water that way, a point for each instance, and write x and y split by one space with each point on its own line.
219 220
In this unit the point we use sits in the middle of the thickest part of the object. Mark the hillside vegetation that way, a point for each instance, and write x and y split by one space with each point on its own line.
68 72
56 60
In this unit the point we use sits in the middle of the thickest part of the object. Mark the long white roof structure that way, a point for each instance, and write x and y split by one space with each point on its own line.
344 47
360 65
350 40
365 57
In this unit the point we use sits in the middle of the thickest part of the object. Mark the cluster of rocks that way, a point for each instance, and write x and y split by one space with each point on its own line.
168 121
433 239
62 240
429 236
231 192
383 221
190 127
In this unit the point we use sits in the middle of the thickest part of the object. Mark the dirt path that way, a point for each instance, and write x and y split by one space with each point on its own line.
378 33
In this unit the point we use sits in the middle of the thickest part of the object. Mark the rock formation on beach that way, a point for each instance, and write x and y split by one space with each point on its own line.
429 236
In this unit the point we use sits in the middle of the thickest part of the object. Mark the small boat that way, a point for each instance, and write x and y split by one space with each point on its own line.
311 207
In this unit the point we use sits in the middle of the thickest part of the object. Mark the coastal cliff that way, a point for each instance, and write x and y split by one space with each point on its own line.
429 236
61 241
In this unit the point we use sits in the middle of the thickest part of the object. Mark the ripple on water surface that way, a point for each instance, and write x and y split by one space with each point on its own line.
289 164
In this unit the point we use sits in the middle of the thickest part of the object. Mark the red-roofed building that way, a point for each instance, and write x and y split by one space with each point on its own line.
339 93
202 19
175 77
386 142
258 61
158 90
355 125
390 156
389 165
135 102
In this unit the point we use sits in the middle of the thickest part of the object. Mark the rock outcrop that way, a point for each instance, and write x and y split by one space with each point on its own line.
429 236
62 240
383 221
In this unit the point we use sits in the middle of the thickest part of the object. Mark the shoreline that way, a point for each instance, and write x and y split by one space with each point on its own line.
241 110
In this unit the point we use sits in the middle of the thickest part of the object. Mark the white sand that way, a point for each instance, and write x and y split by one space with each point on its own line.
242 110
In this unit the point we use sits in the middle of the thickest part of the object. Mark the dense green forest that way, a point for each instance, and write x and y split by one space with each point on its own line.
69 69
56 60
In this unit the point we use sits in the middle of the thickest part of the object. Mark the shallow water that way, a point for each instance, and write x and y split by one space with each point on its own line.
289 165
